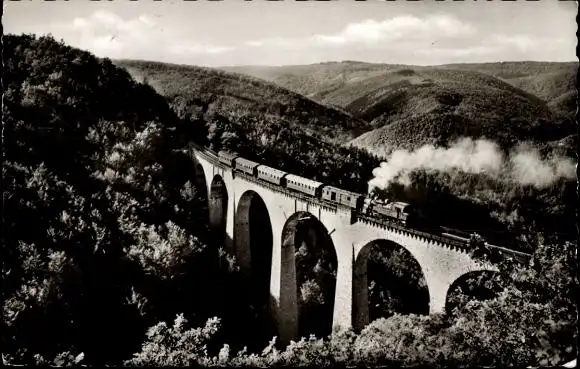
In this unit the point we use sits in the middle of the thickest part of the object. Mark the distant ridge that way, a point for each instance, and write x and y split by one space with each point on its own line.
382 107
413 105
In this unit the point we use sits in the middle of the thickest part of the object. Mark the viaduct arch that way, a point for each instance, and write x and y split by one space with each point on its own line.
303 234
472 284
238 195
360 303
253 245
253 240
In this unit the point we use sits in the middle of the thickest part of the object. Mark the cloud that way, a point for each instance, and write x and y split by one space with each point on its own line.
109 35
280 42
329 39
402 39
254 43
406 39
521 42
439 52
371 32
193 48
107 45
406 27
495 47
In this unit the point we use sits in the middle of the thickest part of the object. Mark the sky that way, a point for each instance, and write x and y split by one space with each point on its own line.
259 32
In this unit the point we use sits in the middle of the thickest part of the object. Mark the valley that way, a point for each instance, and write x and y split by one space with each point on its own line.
124 248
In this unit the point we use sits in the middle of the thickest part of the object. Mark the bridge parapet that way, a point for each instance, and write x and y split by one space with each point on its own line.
393 227
443 241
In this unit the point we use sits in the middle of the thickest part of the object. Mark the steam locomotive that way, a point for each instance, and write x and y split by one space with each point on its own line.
395 211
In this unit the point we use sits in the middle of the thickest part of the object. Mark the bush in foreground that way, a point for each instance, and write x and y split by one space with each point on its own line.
532 321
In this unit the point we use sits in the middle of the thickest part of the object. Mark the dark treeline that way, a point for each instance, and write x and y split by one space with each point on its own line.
105 234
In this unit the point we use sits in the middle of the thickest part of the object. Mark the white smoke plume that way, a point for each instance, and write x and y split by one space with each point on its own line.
524 165
528 168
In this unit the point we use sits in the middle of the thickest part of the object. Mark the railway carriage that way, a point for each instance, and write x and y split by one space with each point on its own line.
347 198
304 185
272 175
227 158
246 166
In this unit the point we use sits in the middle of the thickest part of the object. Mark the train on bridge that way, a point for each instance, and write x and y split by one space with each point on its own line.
397 212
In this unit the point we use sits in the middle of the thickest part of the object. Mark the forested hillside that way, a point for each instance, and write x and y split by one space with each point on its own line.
438 106
102 222
545 80
192 90
105 239
410 106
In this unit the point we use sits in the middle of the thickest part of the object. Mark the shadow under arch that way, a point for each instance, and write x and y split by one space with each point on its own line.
307 279
218 207
253 244
479 285
385 271
201 189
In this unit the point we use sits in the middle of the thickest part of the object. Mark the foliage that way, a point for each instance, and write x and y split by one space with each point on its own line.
175 346
396 283
102 226
316 266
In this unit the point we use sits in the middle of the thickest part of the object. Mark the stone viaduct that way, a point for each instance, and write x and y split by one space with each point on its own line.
233 194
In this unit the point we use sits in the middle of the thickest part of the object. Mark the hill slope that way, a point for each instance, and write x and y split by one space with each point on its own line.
438 106
506 102
544 79
195 90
